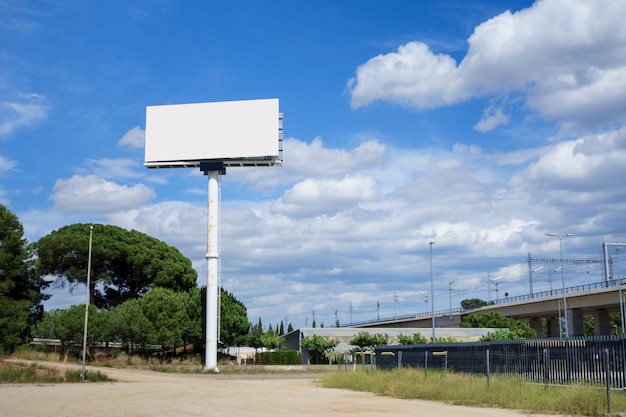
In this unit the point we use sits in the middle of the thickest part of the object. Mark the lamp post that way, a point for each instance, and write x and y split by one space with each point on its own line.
432 290
619 283
450 283
495 282
563 279
82 372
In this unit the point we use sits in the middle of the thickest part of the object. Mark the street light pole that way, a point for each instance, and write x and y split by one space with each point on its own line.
450 293
82 372
621 299
432 291
563 279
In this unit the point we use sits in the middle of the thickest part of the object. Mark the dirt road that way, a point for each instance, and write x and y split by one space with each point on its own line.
151 394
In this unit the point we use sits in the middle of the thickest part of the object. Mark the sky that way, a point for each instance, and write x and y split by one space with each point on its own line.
479 126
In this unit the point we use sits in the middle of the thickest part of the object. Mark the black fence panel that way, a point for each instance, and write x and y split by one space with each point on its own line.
591 360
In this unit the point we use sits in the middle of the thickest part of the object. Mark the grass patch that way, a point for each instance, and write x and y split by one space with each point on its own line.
472 390
91 376
28 374
16 373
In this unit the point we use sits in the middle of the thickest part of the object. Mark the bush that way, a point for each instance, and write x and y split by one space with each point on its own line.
280 357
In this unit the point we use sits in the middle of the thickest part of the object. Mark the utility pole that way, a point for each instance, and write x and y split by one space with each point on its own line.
450 292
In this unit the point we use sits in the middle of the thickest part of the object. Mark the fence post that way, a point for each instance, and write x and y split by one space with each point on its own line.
545 368
607 376
487 360
399 359
623 357
425 363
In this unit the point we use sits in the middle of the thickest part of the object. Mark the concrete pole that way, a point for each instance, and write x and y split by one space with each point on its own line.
432 291
212 257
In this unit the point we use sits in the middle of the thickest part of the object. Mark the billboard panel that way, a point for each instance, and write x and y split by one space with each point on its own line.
247 132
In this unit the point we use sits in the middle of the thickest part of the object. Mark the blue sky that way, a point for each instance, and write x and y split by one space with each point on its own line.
478 125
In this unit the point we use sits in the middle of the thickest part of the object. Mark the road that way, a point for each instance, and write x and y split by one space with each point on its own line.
139 393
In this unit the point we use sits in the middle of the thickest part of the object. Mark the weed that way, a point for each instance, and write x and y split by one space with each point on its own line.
472 390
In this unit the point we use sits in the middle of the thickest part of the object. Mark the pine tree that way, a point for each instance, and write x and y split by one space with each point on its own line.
20 285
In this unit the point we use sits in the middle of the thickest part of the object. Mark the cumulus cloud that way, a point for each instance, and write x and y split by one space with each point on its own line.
134 138
93 194
485 210
314 159
316 197
592 163
569 68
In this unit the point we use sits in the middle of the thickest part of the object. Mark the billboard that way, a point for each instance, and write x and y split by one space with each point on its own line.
239 133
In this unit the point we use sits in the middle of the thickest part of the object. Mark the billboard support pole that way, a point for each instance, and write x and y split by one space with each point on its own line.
212 136
213 170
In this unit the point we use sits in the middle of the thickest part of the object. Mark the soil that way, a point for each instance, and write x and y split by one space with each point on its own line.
139 393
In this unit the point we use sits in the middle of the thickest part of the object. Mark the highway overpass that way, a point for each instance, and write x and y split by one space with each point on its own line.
598 299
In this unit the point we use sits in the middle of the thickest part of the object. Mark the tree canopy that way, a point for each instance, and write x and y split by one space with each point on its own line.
470 303
366 340
234 323
124 264
514 329
161 317
20 286
416 339
318 348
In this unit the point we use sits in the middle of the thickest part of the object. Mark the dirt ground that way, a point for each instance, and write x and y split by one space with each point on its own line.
140 393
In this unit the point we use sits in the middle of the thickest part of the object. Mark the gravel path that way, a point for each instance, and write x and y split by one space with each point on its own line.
140 393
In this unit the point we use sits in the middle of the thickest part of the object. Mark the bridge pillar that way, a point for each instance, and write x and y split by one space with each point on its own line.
576 322
554 327
602 324
536 325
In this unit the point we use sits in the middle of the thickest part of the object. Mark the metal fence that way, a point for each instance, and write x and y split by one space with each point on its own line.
592 360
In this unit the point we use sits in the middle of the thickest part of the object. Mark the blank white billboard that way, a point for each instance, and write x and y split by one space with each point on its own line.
247 132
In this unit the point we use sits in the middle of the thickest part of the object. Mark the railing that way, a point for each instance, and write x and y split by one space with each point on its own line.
590 360
500 301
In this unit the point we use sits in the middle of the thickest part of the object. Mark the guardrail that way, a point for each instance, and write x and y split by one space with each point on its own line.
507 300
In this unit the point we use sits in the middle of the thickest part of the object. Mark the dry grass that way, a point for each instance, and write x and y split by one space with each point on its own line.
17 373
470 390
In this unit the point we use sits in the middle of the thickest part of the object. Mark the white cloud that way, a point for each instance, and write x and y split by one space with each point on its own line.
493 117
93 194
413 76
484 210
6 164
134 138
14 115
306 160
570 68
114 168
317 197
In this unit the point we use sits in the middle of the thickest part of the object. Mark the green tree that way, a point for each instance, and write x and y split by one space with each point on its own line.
318 348
366 340
504 334
20 286
254 338
518 329
66 325
166 310
470 303
125 264
271 340
132 325
416 339
234 323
